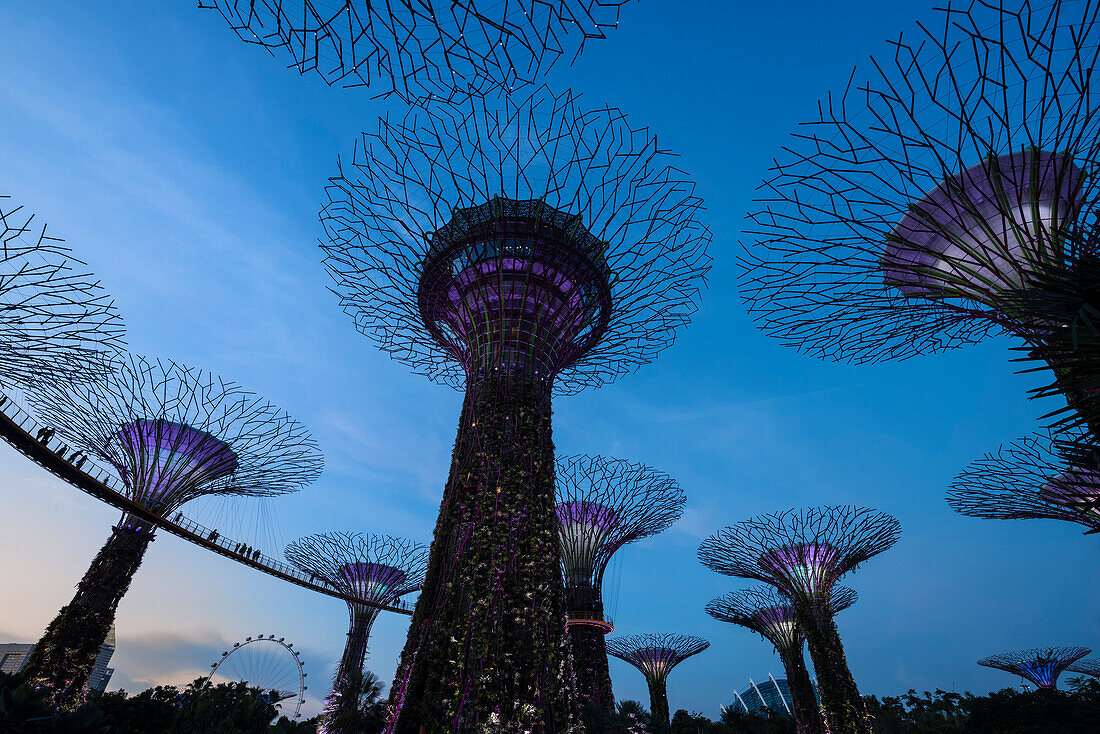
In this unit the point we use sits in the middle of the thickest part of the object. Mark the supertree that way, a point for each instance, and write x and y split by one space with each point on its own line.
1041 666
934 201
515 248
603 504
58 321
655 655
431 46
803 553
766 611
376 569
1042 476
173 434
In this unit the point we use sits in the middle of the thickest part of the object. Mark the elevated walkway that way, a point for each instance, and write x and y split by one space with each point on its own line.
19 429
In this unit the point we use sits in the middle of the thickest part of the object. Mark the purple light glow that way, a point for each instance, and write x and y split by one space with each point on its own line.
779 624
656 662
586 515
514 292
583 527
527 292
1042 666
1073 489
167 462
985 229
809 568
1043 673
374 581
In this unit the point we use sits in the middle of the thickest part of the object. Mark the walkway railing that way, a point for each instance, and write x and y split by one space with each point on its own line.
19 429
593 619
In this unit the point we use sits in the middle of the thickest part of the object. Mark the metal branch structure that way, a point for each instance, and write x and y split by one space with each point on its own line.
58 322
926 201
603 504
514 248
1087 666
429 47
1041 666
655 655
1037 477
768 612
379 569
173 434
804 553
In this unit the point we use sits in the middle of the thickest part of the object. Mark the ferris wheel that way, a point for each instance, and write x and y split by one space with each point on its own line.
267 663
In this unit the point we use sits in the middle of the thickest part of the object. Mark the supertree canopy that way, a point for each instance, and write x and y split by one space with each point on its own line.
803 553
768 612
1041 666
924 204
376 569
173 434
431 46
655 655
58 322
1088 666
603 504
513 248
1041 476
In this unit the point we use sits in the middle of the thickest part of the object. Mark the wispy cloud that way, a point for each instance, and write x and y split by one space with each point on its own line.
167 658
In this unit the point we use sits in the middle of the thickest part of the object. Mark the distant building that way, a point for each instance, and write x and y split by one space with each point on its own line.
769 697
13 655
101 674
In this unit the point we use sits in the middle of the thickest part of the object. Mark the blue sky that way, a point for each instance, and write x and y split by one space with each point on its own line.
187 169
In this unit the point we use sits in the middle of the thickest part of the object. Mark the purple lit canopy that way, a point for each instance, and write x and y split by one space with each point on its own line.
1041 666
1031 478
986 229
811 568
942 176
169 458
603 504
771 614
500 291
379 569
802 552
580 516
655 655
174 433
374 581
518 232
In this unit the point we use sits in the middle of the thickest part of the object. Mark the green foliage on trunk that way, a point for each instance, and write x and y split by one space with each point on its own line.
63 660
845 712
487 649
590 662
807 712
658 706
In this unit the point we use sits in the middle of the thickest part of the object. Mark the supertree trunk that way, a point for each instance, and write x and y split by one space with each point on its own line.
487 647
590 662
807 714
658 706
845 712
62 661
342 704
